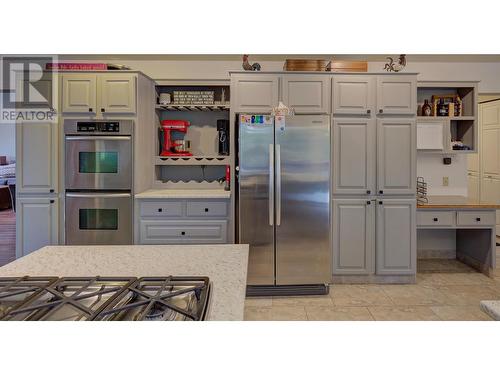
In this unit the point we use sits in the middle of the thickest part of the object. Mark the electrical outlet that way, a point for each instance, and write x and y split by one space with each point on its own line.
446 181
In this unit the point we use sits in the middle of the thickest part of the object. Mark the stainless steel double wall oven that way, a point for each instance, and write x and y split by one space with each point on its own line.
98 182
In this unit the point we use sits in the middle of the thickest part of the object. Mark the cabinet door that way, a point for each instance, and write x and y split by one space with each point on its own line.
36 156
396 156
352 95
490 190
117 93
79 93
353 237
396 237
490 114
473 186
255 93
354 157
491 151
307 93
396 95
37 224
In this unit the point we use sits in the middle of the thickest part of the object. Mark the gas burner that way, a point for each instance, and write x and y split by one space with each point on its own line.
104 298
161 298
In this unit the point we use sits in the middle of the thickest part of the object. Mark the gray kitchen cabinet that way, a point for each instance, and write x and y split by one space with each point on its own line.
396 95
36 156
255 93
354 155
353 95
117 93
37 220
396 156
353 237
396 237
307 93
79 93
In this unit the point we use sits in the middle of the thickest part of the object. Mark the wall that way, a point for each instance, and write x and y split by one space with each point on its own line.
8 141
432 169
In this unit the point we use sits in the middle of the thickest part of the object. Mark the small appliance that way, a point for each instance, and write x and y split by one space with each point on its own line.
171 147
223 132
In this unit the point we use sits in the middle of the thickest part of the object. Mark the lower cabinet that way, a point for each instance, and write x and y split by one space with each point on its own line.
37 222
374 236
180 221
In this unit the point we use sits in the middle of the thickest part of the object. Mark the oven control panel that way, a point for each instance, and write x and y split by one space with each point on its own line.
98 126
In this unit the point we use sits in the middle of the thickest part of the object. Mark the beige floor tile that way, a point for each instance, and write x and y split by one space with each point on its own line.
468 295
276 313
414 295
324 301
460 313
403 313
359 295
443 265
454 279
258 302
338 313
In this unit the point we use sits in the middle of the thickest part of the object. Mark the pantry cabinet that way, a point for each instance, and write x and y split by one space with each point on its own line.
396 156
99 93
353 95
396 237
473 186
353 236
354 156
255 93
37 221
36 156
396 95
307 93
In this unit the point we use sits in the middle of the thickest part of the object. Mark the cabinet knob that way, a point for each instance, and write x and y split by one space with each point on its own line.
380 111
183 233
206 209
52 201
90 110
368 202
435 219
380 202
103 110
478 219
51 190
368 192
368 111
160 210
381 192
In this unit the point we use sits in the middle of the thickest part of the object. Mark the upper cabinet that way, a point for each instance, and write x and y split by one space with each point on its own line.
99 93
36 155
255 93
307 93
79 93
396 95
117 93
353 95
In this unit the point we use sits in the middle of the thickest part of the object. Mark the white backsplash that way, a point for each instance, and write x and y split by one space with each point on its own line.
432 169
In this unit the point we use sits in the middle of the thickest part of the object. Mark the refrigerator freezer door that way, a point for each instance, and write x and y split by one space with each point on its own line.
256 193
303 250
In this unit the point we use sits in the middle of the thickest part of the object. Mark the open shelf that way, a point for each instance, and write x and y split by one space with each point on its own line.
194 108
192 160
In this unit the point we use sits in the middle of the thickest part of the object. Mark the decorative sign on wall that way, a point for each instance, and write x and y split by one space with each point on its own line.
391 66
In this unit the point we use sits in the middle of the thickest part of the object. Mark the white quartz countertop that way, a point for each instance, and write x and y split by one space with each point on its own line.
183 193
225 265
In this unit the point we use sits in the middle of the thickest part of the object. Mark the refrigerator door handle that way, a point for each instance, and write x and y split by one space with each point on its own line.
271 184
278 185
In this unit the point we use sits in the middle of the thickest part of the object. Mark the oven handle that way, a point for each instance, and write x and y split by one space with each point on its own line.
98 195
98 138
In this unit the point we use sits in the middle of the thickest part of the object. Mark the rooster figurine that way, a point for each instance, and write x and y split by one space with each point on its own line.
247 66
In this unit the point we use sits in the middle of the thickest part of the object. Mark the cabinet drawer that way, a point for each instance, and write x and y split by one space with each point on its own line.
206 208
173 231
478 218
161 209
435 218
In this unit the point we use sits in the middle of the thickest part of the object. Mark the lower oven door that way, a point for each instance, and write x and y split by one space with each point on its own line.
98 219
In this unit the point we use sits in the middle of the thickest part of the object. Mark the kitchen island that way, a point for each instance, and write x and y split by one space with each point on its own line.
225 265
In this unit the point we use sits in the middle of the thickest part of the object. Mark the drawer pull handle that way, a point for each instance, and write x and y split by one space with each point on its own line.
90 110
206 209
103 110
478 219
435 219
160 210
183 233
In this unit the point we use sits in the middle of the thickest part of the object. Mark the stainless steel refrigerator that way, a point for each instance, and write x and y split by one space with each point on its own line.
284 202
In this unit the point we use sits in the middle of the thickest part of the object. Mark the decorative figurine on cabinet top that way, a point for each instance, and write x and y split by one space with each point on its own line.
390 66
247 66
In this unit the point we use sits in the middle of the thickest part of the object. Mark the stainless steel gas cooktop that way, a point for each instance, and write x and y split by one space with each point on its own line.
104 298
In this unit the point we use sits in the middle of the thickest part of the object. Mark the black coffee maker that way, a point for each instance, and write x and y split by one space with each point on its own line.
223 131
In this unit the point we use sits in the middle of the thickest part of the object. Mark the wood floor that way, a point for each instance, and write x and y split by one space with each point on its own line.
7 236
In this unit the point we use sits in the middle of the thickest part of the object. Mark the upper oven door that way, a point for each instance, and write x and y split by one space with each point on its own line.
99 162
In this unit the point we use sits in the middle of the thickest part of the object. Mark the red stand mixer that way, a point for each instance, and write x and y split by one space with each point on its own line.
172 147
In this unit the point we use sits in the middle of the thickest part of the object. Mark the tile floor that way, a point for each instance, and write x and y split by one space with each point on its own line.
445 290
